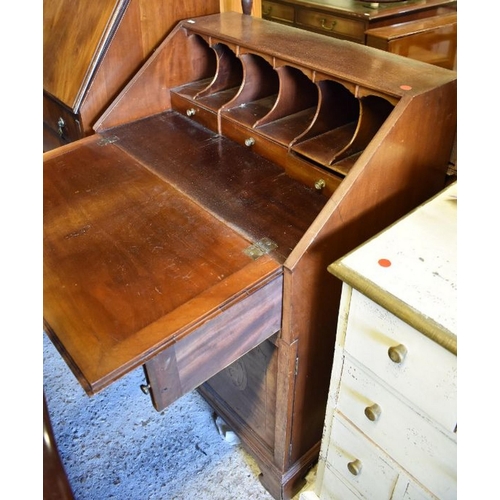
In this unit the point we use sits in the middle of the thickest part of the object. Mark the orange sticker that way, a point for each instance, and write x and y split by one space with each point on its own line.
405 87
384 263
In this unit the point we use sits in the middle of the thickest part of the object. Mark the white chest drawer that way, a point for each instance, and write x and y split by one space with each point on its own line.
359 462
412 440
421 370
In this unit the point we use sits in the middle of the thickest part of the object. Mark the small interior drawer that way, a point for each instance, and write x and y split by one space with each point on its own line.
426 374
195 111
278 11
413 441
331 25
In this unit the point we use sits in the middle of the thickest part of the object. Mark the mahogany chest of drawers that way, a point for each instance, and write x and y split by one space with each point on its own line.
192 232
349 19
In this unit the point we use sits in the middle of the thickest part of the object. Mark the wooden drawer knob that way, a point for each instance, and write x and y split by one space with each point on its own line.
397 353
355 467
373 412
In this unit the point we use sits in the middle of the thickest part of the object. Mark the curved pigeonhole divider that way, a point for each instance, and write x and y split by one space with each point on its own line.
333 125
204 66
294 108
227 80
258 93
374 110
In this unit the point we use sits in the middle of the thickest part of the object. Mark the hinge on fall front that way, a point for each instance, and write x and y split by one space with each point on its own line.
260 248
104 141
296 366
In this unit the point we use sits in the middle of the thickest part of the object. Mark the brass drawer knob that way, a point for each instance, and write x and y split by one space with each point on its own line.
355 467
397 353
250 141
373 412
320 184
191 112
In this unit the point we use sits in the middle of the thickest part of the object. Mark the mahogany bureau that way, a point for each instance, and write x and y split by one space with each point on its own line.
191 233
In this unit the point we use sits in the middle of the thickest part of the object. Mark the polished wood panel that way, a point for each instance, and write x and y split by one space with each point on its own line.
98 251
432 40
92 49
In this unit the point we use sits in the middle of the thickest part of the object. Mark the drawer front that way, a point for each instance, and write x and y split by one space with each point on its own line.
355 459
198 113
411 440
334 488
278 12
427 374
327 24
414 491
215 345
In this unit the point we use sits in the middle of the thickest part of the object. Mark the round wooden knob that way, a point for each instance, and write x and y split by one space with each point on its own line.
355 467
373 412
397 353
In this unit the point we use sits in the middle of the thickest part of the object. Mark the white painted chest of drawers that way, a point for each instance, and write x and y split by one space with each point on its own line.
391 423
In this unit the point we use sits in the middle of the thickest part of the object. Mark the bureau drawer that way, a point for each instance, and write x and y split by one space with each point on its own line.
278 12
356 460
327 24
411 440
427 373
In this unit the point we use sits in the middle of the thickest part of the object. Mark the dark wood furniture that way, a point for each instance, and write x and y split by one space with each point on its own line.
92 49
55 481
349 19
432 40
192 233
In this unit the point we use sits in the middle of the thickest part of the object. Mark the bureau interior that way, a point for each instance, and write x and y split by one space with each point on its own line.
242 126
272 104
